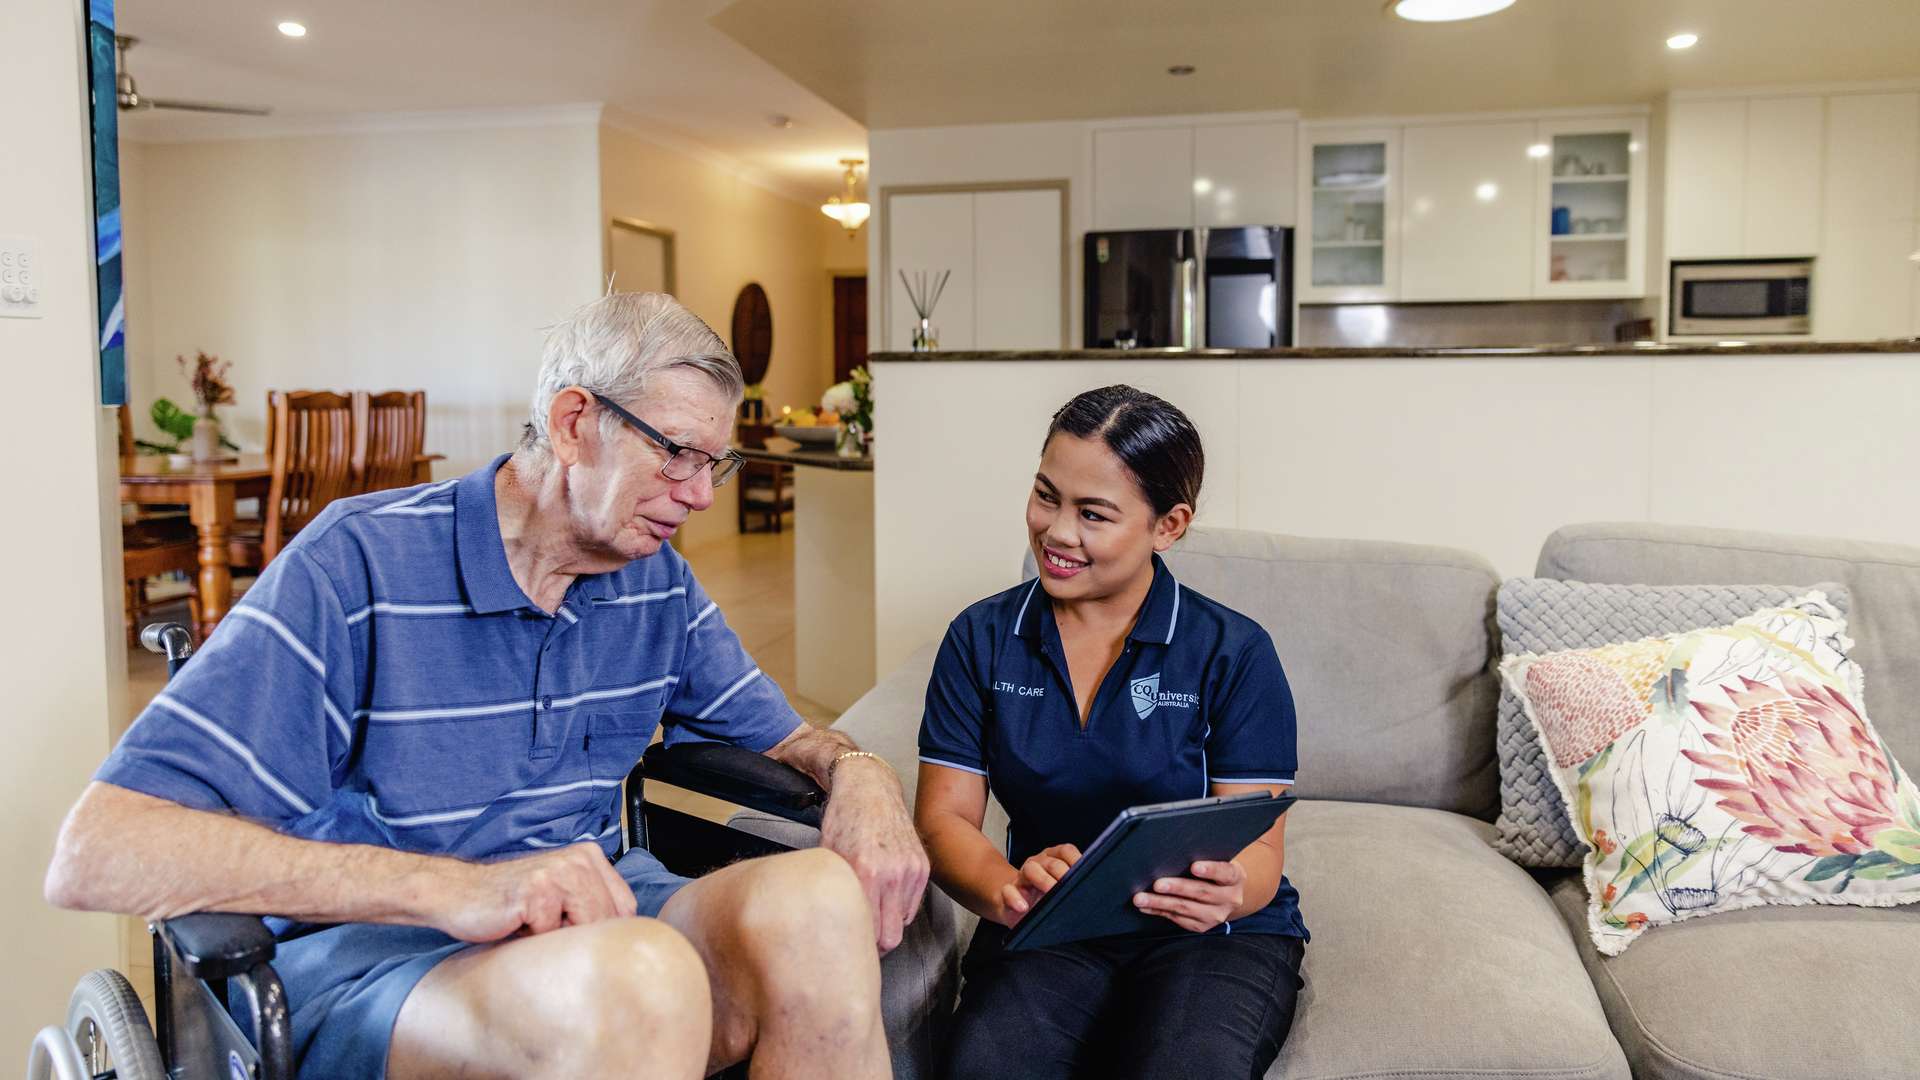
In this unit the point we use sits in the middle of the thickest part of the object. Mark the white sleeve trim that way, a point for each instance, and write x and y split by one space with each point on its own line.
951 765
1288 780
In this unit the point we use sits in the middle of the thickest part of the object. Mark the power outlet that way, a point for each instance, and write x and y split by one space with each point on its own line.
19 277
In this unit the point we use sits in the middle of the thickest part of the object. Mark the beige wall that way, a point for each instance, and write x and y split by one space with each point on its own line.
377 259
65 655
1487 454
728 232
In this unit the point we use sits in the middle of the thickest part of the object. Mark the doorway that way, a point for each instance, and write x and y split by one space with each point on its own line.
849 325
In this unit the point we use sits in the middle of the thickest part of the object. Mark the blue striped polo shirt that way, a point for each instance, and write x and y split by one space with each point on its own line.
387 682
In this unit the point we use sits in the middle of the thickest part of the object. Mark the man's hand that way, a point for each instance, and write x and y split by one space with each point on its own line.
1198 903
569 886
1038 875
867 824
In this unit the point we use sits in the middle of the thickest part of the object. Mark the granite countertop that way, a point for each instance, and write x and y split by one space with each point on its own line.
795 454
1708 348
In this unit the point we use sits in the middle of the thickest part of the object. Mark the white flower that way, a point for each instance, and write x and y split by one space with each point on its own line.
839 398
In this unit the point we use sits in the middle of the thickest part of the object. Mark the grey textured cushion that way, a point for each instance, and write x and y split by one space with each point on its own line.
1433 958
1386 647
1542 615
1883 581
1775 993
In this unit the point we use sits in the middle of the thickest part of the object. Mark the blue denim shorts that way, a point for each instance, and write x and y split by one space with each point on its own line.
345 984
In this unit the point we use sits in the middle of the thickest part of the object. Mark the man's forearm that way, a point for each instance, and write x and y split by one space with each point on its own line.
814 750
131 853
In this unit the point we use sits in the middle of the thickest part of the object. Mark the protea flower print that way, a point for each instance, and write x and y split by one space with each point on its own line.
1798 767
1583 701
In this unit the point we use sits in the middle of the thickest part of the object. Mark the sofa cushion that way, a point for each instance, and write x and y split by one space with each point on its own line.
1432 956
1883 581
1778 993
1387 649
1542 615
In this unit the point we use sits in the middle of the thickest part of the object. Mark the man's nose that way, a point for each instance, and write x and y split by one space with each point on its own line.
696 491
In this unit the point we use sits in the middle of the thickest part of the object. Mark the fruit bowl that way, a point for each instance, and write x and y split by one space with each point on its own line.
817 435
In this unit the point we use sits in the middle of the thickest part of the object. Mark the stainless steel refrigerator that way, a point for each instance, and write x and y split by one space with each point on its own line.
1189 288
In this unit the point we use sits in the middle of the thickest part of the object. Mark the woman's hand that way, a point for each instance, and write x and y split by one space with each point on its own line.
1198 903
1037 875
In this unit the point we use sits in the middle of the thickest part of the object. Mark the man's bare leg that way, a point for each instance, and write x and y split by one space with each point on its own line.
788 944
621 997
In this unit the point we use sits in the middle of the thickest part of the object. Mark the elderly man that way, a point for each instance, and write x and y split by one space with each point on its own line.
408 741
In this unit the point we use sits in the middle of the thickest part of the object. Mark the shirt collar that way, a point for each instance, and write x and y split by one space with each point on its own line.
484 574
1159 615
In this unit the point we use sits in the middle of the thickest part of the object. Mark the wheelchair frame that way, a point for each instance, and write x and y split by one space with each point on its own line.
197 958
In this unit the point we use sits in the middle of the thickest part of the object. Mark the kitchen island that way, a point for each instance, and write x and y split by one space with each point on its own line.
833 608
1485 449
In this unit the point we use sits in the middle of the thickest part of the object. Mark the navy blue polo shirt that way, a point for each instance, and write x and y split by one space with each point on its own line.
1196 698
386 681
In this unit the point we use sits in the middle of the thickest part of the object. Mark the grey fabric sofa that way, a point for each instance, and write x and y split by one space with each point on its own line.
1433 956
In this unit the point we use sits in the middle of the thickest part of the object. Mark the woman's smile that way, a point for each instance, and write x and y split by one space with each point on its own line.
1058 565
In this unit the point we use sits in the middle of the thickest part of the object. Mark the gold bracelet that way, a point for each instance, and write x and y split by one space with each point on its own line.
844 755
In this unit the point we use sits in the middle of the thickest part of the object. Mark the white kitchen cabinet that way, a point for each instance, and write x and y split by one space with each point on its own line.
1243 174
1467 220
1863 283
1591 208
1004 248
1017 248
1143 178
1348 246
1872 159
1706 178
1913 267
929 234
1782 176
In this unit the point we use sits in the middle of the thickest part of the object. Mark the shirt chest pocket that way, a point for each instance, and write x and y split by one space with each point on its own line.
614 738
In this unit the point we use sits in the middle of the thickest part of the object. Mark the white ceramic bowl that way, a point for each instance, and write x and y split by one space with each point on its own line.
818 435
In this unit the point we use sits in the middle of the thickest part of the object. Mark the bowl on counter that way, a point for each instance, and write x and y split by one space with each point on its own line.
822 435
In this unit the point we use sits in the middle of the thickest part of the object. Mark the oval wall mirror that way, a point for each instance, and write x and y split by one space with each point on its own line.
753 332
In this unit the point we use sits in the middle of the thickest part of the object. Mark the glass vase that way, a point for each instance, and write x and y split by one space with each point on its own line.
206 439
851 442
925 337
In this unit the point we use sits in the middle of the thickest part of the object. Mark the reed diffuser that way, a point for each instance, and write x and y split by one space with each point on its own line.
923 292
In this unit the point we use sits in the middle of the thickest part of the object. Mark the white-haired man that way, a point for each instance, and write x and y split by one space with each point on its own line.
407 741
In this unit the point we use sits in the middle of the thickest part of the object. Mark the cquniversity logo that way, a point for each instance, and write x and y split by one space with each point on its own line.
1146 694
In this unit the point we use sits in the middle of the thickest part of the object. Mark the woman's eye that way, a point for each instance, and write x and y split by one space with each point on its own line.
1044 497
1091 516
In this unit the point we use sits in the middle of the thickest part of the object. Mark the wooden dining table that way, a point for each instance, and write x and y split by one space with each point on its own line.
209 491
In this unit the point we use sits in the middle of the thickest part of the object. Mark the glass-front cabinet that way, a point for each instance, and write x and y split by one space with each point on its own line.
1349 188
1591 207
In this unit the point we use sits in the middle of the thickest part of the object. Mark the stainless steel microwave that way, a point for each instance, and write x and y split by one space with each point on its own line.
1756 296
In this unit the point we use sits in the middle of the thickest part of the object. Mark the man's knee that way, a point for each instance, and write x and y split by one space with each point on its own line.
810 896
638 977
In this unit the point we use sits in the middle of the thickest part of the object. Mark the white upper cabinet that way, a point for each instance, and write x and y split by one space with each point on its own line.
1467 221
928 234
1347 245
1783 181
1706 179
1592 202
1017 248
1863 283
1873 157
1143 178
1243 174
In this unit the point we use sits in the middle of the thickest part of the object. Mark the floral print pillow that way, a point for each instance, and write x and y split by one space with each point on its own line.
1723 768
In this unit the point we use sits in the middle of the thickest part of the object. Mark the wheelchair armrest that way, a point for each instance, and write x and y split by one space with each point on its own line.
736 775
217 945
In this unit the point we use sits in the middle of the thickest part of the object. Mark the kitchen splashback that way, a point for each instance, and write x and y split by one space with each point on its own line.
1543 322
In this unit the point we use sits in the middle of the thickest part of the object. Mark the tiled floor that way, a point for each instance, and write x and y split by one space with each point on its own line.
751 577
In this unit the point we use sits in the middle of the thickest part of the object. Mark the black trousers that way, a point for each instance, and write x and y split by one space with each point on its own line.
1206 1006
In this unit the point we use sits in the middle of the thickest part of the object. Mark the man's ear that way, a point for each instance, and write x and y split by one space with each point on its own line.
1171 526
569 418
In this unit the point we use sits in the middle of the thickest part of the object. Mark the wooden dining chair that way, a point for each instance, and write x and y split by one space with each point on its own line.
313 435
393 427
155 547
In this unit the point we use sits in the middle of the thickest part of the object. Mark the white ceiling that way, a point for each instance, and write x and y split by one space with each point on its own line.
658 60
890 64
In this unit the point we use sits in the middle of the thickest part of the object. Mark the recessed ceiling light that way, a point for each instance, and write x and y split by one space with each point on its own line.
1445 10
780 120
1683 41
293 29
1487 192
1180 69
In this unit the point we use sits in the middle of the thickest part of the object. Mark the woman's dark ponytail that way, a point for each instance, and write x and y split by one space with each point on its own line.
1152 438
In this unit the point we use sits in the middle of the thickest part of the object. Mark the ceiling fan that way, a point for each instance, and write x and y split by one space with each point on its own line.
132 99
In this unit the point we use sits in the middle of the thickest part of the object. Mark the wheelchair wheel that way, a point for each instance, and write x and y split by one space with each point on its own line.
107 1022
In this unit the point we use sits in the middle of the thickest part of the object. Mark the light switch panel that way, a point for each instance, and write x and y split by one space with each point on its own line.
19 277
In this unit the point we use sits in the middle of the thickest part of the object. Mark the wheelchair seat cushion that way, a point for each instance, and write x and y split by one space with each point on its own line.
345 984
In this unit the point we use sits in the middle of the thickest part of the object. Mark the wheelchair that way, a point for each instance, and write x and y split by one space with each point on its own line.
201 960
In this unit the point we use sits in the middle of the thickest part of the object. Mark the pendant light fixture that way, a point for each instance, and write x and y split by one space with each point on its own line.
848 208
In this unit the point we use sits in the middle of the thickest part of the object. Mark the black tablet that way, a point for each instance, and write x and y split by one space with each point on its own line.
1143 844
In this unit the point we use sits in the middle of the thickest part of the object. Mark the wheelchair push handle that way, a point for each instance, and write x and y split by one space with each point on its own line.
172 640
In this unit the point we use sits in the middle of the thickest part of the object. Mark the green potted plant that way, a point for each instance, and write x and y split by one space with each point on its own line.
198 433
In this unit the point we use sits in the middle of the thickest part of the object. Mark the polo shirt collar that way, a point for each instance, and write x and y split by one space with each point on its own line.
484 574
1159 615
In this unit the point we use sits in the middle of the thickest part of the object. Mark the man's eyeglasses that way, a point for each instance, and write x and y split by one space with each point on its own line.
683 462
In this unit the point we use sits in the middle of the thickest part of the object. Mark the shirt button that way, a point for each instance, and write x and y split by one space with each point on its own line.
546 703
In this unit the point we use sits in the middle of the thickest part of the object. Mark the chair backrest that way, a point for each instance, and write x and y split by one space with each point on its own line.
126 430
393 428
313 438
